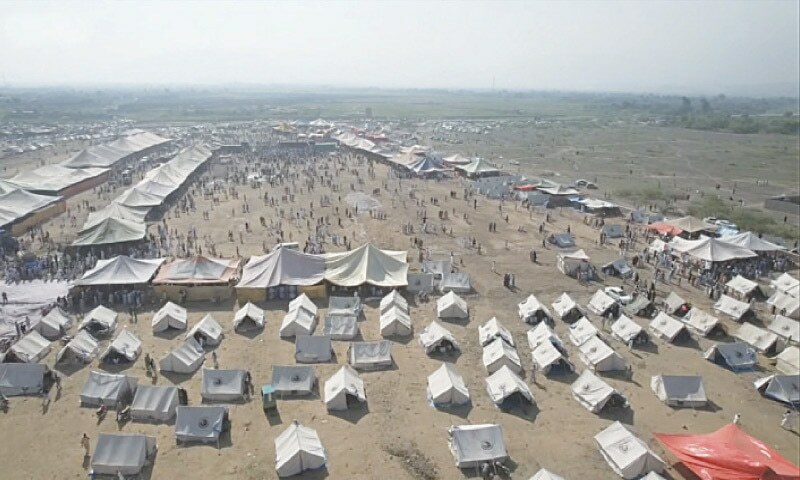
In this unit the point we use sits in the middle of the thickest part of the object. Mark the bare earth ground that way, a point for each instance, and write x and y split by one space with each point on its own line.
400 436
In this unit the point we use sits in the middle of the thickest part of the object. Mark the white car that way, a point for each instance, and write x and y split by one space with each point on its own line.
619 294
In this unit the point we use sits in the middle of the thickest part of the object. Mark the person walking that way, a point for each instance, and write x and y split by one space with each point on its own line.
85 444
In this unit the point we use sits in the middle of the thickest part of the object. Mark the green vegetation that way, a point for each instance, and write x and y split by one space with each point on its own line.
645 194
746 218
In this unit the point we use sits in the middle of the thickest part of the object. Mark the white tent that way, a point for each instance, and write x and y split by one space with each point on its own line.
186 358
492 330
786 328
700 322
437 338
782 388
345 306
395 322
21 378
248 317
55 324
341 326
627 455
594 394
572 263
370 355
599 357
546 358
284 266
302 301
117 454
751 241
788 361
393 299
343 388
762 340
297 450
713 250
312 349
456 282
742 287
667 328
542 333
293 379
452 306
154 403
532 311
121 270
544 474
82 348
504 384
366 264
125 348
203 423
787 284
499 354
30 349
169 316
566 308
628 332
731 307
679 390
299 321
100 319
601 304
107 389
673 303
581 331
736 356
446 387
206 332
473 445
785 304
223 385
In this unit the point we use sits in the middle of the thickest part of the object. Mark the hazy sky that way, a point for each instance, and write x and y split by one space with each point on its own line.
692 46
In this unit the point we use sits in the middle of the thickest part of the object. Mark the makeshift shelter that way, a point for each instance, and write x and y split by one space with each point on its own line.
566 308
169 316
573 263
206 332
100 320
341 326
788 361
544 474
313 349
395 322
370 355
599 357
700 322
154 403
367 264
393 300
436 338
474 445
451 306
458 282
542 333
248 317
492 330
667 328
629 332
107 389
31 348
117 454
601 304
679 390
203 423
345 306
674 305
55 324
728 453
762 340
301 319
782 388
532 311
619 268
506 388
223 385
293 379
786 329
735 356
21 379
123 349
343 389
785 304
298 449
595 394
446 387
550 360
640 307
581 331
82 348
626 454
498 353
742 288
184 359
121 270
561 240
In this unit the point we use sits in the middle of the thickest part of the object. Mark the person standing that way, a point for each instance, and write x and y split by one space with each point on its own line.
85 444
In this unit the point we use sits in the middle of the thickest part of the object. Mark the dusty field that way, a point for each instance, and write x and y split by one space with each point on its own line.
399 424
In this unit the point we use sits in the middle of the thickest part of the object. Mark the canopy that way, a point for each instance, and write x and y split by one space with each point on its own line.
446 387
297 450
473 445
17 204
728 454
118 211
712 250
111 230
343 384
121 270
122 454
54 178
136 197
198 270
478 167
284 266
154 403
691 224
750 241
367 264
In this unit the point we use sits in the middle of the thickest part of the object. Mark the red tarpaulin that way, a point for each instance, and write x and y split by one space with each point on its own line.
729 454
525 188
665 229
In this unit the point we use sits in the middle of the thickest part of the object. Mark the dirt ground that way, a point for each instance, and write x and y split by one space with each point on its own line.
398 435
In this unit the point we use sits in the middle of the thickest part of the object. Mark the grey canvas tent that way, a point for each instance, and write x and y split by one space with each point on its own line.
458 282
370 355
21 378
438 268
298 449
223 385
185 359
344 388
202 424
473 445
29 349
345 306
341 326
735 356
619 268
55 324
121 270
107 389
561 240
312 349
782 388
154 403
117 454
679 390
613 230
293 379
595 394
